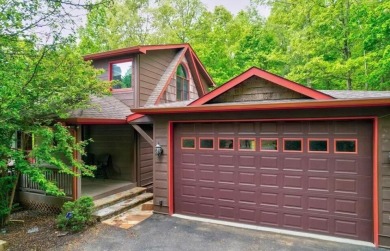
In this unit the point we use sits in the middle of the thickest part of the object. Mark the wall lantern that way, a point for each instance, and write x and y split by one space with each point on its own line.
159 150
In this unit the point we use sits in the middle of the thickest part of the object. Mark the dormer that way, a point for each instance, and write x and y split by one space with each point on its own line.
154 74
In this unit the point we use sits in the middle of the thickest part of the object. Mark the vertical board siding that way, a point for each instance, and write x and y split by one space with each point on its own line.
384 180
152 67
118 141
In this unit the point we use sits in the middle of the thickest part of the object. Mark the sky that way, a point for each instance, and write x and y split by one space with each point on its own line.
234 6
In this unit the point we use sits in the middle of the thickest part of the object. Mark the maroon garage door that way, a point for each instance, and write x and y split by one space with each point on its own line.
311 176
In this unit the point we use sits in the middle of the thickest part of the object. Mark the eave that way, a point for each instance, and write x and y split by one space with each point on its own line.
301 104
95 121
133 50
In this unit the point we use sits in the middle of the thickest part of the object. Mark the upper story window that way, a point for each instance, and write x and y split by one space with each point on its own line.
182 83
121 71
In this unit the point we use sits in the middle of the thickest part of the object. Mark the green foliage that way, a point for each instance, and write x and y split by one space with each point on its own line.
323 44
43 79
79 212
6 184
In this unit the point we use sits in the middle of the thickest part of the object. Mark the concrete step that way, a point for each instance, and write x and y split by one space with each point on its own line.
118 197
120 207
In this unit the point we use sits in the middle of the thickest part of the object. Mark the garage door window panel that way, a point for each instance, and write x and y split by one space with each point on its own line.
188 143
269 145
346 146
245 144
226 144
292 145
206 143
318 145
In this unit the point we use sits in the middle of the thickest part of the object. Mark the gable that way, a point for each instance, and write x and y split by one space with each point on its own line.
256 89
267 76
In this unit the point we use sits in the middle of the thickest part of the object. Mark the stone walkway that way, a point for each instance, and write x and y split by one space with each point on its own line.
132 217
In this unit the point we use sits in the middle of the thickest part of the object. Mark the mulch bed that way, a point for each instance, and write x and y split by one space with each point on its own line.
34 230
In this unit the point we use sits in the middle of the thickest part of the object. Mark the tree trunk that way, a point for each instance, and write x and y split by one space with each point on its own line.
12 197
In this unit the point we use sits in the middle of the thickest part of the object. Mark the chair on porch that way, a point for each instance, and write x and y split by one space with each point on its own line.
104 163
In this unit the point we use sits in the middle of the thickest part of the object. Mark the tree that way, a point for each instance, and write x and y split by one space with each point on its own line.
326 43
41 82
120 24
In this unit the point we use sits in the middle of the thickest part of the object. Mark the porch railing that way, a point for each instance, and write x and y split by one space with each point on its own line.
63 181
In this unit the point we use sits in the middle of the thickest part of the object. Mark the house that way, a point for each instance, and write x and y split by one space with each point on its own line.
259 150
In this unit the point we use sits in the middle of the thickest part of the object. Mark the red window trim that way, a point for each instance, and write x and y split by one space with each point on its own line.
187 148
110 63
317 139
247 150
277 145
207 138
338 139
292 139
225 149
188 77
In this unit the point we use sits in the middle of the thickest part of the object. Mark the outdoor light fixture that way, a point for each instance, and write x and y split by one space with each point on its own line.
159 150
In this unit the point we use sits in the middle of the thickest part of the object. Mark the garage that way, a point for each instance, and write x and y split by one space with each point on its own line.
306 175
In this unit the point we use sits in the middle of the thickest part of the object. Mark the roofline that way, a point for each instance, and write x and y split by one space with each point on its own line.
133 117
141 49
95 121
254 71
306 104
197 60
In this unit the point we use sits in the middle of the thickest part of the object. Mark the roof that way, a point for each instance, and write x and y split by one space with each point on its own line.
254 71
139 49
345 94
103 108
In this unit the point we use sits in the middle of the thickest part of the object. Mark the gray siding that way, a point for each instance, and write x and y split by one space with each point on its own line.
152 67
254 89
118 141
126 96
145 160
384 180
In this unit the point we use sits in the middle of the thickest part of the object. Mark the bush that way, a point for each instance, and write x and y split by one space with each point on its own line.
76 215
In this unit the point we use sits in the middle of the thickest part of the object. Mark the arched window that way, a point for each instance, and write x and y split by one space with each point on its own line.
182 84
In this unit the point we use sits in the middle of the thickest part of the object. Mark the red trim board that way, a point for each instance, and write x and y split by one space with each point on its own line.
254 71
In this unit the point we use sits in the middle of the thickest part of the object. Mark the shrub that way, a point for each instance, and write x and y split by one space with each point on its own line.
76 215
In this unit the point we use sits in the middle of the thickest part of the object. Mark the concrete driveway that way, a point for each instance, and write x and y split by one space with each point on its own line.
161 232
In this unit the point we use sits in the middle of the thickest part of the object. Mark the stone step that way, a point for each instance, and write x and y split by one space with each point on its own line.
121 206
118 197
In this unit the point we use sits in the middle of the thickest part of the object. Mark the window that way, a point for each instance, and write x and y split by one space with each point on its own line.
345 145
269 145
292 145
247 144
318 145
226 144
121 73
182 84
205 143
188 143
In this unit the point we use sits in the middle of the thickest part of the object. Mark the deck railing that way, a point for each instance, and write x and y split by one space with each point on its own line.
63 181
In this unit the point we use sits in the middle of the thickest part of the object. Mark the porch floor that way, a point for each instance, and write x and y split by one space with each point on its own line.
99 188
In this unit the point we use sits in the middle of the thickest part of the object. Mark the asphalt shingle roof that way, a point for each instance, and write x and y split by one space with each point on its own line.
344 94
107 107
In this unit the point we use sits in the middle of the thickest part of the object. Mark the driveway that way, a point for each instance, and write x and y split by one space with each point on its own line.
161 232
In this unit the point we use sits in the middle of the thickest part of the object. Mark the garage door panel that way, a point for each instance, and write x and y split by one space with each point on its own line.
318 183
318 165
293 164
270 162
324 193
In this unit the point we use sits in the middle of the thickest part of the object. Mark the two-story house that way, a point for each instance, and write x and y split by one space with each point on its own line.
260 151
